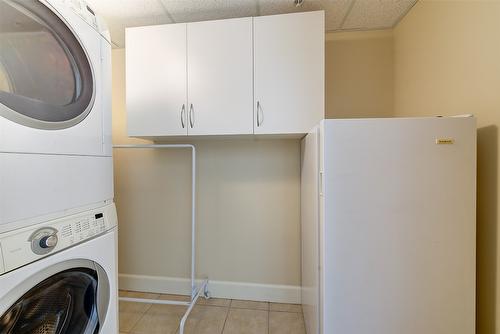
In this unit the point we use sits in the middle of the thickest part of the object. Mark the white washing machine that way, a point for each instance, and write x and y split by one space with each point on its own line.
61 276
55 110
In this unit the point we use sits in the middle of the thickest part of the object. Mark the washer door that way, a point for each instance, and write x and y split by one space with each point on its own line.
73 301
46 79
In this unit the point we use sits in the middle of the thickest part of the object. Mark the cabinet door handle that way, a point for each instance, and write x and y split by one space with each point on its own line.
183 111
260 114
321 186
191 115
258 118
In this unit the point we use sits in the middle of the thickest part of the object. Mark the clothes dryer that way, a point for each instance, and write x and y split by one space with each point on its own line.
55 110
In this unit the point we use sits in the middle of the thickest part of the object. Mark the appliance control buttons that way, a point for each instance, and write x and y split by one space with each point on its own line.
78 227
85 224
67 231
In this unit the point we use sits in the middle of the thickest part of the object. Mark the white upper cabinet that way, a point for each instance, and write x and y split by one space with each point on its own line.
262 75
220 70
156 80
289 72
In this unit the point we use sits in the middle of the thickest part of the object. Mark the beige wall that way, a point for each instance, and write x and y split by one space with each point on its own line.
359 74
248 206
447 62
249 190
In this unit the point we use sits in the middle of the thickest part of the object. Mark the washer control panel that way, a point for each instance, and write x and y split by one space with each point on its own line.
20 247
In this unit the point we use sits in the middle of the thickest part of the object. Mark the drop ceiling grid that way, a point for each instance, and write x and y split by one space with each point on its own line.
196 10
371 14
340 15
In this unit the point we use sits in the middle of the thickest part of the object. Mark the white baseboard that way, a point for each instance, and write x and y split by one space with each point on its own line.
219 289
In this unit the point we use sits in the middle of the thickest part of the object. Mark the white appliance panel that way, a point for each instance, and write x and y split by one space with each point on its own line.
106 96
33 185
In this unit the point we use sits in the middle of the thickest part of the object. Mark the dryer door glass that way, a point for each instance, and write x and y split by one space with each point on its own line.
65 303
46 79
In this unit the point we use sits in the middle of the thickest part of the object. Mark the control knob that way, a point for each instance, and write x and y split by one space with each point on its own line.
44 240
48 241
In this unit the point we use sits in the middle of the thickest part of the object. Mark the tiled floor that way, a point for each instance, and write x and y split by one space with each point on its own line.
213 316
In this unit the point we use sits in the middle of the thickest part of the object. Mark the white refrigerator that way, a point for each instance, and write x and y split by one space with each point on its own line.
389 226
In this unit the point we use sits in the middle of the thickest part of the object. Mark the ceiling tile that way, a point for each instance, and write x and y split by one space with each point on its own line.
376 14
117 27
271 7
128 8
196 10
364 14
335 10
119 14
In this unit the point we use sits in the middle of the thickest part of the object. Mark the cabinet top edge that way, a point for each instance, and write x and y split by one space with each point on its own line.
312 12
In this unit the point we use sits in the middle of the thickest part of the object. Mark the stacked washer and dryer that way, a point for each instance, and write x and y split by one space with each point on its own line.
58 235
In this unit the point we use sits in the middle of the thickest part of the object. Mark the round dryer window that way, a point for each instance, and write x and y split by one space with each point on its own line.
64 303
46 79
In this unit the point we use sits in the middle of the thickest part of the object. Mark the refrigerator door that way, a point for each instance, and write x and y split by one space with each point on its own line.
399 226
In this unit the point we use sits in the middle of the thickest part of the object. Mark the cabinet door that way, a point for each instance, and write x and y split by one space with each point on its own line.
156 80
289 72
220 77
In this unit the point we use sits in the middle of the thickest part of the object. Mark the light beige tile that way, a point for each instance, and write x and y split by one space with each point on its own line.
278 307
251 305
214 302
286 323
167 309
130 307
157 324
127 320
130 313
160 319
245 321
206 320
